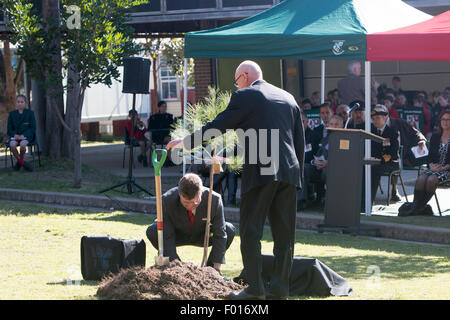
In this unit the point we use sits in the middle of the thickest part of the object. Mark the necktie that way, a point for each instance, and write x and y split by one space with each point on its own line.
191 217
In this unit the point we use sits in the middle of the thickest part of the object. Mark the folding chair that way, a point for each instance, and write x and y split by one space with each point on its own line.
392 174
127 146
443 185
32 146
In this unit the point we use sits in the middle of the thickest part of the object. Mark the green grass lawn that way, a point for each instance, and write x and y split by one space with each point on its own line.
378 216
40 249
57 176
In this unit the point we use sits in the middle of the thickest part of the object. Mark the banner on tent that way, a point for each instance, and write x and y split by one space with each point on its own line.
414 116
313 117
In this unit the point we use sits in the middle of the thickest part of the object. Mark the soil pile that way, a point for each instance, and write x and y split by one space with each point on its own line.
175 281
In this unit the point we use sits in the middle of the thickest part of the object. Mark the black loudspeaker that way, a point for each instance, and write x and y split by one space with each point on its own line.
136 75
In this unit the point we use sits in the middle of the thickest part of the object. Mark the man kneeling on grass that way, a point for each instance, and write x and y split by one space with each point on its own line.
184 215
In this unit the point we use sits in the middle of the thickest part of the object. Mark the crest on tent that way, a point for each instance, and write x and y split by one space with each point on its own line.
338 47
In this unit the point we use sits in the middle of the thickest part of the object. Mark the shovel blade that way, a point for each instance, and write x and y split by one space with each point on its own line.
161 261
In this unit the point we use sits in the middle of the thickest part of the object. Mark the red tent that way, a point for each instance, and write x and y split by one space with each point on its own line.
424 41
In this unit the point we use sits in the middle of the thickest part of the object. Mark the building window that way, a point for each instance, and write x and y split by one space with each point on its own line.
168 82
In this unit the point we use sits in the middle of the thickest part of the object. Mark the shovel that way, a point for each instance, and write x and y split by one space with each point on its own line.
160 260
215 169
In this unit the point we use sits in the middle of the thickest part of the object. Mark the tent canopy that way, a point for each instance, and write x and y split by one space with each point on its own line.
425 41
304 29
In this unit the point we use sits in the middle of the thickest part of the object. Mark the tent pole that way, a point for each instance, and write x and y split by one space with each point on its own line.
185 84
322 81
368 144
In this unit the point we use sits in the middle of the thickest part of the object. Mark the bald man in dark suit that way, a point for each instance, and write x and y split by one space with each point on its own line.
268 189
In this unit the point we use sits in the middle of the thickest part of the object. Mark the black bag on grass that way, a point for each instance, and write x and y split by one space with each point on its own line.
101 255
407 209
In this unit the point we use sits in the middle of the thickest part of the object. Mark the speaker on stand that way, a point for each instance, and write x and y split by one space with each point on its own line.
136 76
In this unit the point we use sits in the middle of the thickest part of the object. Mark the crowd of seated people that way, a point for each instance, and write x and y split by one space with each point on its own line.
407 118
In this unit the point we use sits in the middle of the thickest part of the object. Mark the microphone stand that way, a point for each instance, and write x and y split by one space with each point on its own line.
130 182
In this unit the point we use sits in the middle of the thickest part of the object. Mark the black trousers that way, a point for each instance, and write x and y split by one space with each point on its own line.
277 201
379 170
152 235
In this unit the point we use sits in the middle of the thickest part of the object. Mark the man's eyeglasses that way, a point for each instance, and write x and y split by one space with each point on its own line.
236 80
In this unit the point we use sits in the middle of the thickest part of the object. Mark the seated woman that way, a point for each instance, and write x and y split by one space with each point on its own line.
21 130
439 166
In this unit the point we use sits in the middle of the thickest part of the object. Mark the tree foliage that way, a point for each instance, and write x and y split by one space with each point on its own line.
198 115
89 37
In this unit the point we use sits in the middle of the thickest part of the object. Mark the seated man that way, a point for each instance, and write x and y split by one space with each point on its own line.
139 136
388 151
305 193
358 114
316 170
21 130
320 131
343 111
409 137
184 211
159 124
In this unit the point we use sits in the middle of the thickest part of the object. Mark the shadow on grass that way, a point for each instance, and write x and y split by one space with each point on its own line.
396 260
27 209
139 219
74 283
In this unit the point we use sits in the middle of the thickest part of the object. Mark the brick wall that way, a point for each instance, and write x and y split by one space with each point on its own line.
202 78
119 127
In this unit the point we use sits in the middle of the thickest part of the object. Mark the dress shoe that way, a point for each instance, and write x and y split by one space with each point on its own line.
17 166
244 295
27 167
395 197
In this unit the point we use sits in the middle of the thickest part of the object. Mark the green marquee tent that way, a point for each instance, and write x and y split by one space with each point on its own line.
304 29
309 30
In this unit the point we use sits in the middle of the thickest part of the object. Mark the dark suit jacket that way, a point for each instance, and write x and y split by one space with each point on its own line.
409 136
22 124
353 88
434 155
161 124
178 229
264 106
317 136
309 155
392 148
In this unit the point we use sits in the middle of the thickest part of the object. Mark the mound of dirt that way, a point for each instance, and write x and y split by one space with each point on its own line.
175 281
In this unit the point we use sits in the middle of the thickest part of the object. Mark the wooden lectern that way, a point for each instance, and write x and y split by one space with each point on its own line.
346 161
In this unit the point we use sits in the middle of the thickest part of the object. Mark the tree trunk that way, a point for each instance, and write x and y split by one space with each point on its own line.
73 93
8 85
54 95
10 88
77 139
38 105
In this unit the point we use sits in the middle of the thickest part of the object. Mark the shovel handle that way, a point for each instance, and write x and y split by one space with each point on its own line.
158 164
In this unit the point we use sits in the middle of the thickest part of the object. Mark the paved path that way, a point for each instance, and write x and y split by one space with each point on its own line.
109 158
